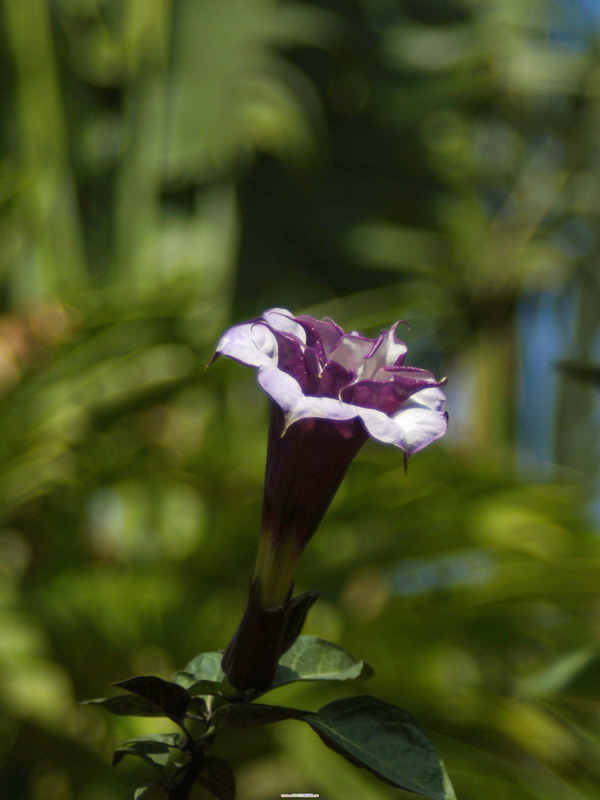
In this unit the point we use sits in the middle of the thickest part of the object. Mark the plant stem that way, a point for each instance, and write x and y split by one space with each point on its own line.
192 769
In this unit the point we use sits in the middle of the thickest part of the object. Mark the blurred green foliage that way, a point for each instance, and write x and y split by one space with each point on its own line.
169 166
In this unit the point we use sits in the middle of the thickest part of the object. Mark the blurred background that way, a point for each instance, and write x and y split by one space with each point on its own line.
169 167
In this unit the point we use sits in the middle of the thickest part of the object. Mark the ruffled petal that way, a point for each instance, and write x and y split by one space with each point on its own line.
283 320
420 421
251 343
351 350
432 398
323 334
288 395
387 351
334 378
389 393
296 359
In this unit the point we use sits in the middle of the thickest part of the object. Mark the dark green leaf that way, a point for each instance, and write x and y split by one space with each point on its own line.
185 679
156 754
205 667
169 739
298 610
242 715
204 687
314 659
127 705
385 740
217 776
171 698
197 708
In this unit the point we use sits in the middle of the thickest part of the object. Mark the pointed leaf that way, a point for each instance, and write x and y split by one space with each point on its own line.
385 740
171 698
168 739
314 659
205 667
242 715
217 776
127 705
157 754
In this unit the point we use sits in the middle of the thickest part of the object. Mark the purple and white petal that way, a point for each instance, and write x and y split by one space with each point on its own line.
323 334
296 359
252 344
351 350
387 351
432 398
283 320
419 422
384 395
414 426
288 395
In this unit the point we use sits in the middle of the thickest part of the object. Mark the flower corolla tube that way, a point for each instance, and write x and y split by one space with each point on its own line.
330 392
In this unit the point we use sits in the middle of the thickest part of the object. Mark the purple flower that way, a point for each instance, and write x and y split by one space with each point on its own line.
313 370
331 391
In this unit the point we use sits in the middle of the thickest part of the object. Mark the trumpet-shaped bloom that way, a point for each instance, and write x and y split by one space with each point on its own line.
313 370
331 391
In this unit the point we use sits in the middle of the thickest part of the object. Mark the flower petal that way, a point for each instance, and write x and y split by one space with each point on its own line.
387 351
420 421
283 320
323 334
252 344
288 395
297 360
334 378
351 350
389 393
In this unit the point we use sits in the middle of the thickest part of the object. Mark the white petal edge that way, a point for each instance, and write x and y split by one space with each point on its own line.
283 320
251 343
387 353
420 421
350 352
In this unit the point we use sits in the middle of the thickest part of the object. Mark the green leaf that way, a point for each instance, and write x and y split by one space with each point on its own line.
385 740
170 739
204 667
171 698
217 776
243 715
197 708
204 687
127 706
185 679
314 659
157 754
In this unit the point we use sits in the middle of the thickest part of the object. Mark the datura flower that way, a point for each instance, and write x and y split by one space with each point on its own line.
331 391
